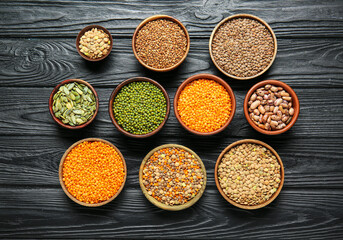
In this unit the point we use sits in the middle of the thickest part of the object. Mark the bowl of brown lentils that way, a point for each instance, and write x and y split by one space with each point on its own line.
172 177
94 43
243 46
249 174
271 107
161 43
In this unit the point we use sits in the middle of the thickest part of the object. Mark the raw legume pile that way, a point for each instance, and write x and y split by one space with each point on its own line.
249 174
173 176
243 47
161 43
93 172
271 108
74 104
139 107
95 43
204 105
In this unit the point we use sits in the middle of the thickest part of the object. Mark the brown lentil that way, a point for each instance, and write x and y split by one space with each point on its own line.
243 47
249 174
95 43
161 43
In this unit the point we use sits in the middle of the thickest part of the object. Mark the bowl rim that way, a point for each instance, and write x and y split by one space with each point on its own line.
152 18
82 32
243 16
162 205
116 91
54 91
282 173
60 173
295 105
209 77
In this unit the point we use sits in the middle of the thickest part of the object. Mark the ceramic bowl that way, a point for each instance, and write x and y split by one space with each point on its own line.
60 173
295 105
116 91
242 16
55 90
162 205
209 77
249 207
152 18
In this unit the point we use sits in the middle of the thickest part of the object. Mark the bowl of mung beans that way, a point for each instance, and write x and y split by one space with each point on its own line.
271 107
243 46
139 107
94 43
172 177
73 103
161 43
204 104
249 174
92 172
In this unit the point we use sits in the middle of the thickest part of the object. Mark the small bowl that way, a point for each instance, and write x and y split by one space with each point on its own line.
114 94
295 105
152 18
55 91
60 173
282 173
159 204
82 32
209 77
242 16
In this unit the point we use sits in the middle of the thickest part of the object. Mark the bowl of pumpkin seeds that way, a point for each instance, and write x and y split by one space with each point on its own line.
73 103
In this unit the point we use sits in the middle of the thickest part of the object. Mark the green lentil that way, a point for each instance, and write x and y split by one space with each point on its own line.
139 107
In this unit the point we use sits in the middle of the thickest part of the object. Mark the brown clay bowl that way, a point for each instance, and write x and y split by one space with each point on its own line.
162 205
116 91
295 104
248 207
82 32
152 18
60 173
210 77
242 16
55 91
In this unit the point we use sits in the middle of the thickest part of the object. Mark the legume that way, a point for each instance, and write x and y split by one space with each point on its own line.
161 43
243 47
139 107
204 105
249 174
95 43
93 172
172 176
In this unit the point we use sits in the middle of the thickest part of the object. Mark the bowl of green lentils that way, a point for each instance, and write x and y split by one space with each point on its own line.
139 107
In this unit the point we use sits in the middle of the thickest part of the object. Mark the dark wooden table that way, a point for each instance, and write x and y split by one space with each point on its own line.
37 51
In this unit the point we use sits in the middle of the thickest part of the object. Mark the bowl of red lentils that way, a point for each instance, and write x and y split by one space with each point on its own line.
204 104
94 43
161 43
92 172
249 174
172 177
271 107
243 46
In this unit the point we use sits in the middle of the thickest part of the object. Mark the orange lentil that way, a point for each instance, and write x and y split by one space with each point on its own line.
204 105
93 172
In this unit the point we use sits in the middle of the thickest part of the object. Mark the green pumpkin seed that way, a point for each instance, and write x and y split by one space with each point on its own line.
78 91
70 86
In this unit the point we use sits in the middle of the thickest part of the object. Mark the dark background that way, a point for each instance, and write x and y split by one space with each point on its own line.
37 51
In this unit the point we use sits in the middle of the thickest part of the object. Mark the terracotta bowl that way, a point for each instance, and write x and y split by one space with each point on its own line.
152 18
55 91
114 94
248 207
159 204
60 173
82 32
242 16
209 77
295 105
